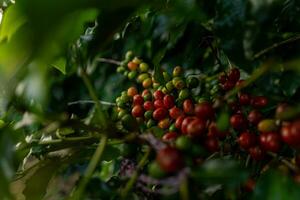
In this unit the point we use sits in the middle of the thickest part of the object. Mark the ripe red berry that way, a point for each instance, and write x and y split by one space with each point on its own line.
196 128
254 117
240 83
169 136
295 131
204 111
188 106
222 78
286 134
179 121
138 99
256 153
137 111
247 140
235 107
281 108
185 123
214 132
228 85
270 141
212 144
244 99
158 103
148 105
238 122
169 159
145 92
169 101
234 75
175 112
160 113
158 94
259 101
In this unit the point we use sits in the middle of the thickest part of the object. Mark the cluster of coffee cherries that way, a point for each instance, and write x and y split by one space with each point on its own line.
187 120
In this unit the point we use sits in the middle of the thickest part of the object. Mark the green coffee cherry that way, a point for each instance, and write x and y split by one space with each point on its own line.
267 125
178 83
202 99
143 67
155 171
125 73
131 75
184 94
172 128
155 86
148 114
183 143
165 90
170 86
121 104
125 98
192 82
147 97
150 123
137 60
129 55
121 69
142 77
166 76
129 122
121 114
177 71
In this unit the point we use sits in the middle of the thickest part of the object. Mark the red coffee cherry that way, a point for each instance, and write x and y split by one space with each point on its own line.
247 140
179 121
185 123
137 111
244 99
196 128
148 105
281 108
145 92
240 83
214 132
159 103
188 106
204 111
254 117
287 135
169 159
234 75
259 101
169 101
238 122
228 85
212 144
169 136
132 66
235 107
295 131
256 153
160 113
138 99
175 112
158 94
270 141
222 78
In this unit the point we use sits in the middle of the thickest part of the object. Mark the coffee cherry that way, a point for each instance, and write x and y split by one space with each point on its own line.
143 67
238 122
132 91
172 128
177 71
184 94
170 136
169 159
259 101
132 75
270 141
256 153
185 124
147 83
192 82
150 123
169 101
188 106
228 85
179 121
247 140
234 75
214 132
155 171
196 128
164 123
178 83
204 111
212 144
146 92
159 103
148 114
137 111
254 117
222 78
138 99
137 60
160 113
132 66
169 86
295 130
148 105
290 133
175 112
267 125
240 83
158 95
281 109
235 107
244 99
183 143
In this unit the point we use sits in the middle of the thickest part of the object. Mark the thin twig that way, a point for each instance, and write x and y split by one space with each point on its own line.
91 102
108 60
285 161
262 52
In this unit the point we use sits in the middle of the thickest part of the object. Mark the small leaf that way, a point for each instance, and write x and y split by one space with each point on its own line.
60 64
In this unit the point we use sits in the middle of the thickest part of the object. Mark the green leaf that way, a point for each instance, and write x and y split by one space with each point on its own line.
272 186
60 64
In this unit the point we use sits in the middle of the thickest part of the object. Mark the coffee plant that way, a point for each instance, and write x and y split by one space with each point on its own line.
149 99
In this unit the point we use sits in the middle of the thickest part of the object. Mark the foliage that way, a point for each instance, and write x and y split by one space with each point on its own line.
57 59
